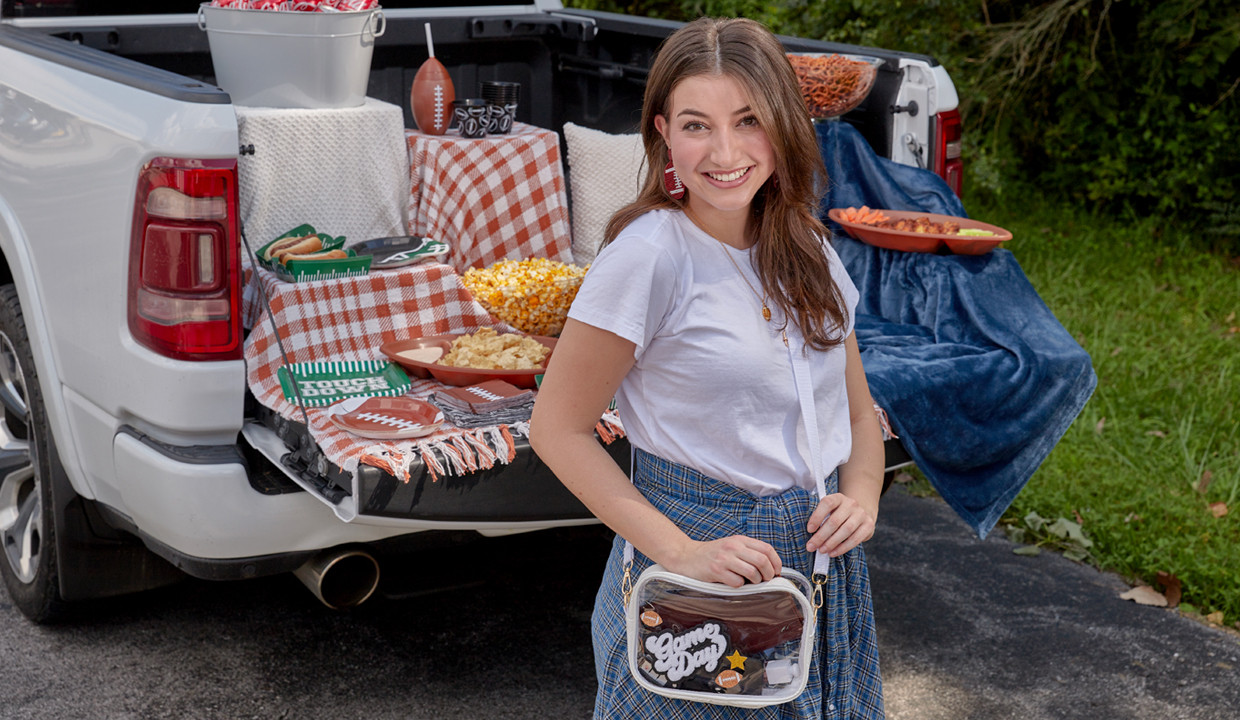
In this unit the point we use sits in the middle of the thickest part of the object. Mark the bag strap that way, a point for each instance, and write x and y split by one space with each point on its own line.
805 393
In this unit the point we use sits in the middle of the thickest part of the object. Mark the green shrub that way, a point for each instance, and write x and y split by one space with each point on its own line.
1124 107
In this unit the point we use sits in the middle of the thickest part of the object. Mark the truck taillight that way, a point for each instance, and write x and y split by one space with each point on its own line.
947 161
184 260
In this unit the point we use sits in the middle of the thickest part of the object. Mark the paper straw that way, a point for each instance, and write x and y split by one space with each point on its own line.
430 44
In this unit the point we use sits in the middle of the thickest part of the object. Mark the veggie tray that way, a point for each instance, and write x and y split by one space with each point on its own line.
972 237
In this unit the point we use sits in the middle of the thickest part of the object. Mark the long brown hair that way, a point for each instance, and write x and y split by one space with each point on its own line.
789 256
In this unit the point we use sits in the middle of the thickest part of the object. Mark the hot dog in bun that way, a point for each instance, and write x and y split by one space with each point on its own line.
325 255
299 245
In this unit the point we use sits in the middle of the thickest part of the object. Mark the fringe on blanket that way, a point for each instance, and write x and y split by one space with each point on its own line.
478 449
464 452
609 427
888 433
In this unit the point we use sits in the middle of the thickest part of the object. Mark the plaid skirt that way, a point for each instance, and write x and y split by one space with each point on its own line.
844 680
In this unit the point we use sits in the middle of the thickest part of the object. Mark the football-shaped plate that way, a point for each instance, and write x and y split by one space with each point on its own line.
386 418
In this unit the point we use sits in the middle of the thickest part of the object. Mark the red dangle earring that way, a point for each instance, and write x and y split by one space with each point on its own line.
672 183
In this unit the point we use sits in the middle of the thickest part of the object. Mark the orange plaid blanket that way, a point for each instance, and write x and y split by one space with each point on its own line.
349 319
492 198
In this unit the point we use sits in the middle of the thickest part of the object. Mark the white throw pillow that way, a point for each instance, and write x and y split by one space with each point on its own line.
605 173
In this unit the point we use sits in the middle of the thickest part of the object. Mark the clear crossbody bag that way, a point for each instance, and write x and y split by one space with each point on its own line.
708 642
712 643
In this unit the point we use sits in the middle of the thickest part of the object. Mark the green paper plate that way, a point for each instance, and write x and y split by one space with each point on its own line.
323 383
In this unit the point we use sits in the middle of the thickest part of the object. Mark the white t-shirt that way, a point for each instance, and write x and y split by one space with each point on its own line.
712 384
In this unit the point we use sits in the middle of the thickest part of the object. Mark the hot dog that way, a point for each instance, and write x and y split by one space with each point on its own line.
300 245
325 255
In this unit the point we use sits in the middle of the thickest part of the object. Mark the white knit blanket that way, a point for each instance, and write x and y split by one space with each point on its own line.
343 170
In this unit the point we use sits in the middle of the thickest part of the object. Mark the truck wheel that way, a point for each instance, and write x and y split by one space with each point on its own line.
27 528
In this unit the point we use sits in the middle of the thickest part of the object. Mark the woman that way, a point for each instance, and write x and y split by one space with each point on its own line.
685 318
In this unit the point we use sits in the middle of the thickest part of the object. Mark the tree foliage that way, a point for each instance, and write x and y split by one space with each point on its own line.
1126 106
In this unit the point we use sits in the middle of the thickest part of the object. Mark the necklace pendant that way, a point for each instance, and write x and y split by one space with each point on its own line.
766 313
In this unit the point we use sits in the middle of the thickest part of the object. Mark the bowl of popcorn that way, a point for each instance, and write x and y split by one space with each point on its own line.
531 295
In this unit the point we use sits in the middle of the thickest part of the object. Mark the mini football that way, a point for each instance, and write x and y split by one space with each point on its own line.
431 98
728 679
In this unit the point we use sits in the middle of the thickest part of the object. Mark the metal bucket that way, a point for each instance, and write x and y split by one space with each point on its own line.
288 59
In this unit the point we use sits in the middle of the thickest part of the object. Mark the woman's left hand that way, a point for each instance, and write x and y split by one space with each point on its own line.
838 525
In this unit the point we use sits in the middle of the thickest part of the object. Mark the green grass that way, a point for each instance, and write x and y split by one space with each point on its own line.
1159 316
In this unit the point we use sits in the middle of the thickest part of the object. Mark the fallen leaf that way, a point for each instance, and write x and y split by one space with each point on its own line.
1132 517
1101 424
1156 433
1218 509
1145 595
1204 483
1117 351
1172 588
1076 554
903 477
1065 529
1079 519
1215 617
1028 550
1232 316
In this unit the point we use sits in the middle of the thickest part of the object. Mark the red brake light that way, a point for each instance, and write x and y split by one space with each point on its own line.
947 161
184 261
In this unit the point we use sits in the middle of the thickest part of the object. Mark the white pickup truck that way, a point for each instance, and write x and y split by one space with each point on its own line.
123 463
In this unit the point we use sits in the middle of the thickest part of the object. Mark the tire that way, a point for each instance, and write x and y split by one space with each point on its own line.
27 525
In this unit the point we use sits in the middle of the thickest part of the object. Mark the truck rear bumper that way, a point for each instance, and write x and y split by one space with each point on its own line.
201 504
521 495
199 508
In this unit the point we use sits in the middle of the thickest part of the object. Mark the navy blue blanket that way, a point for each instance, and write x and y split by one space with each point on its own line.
979 378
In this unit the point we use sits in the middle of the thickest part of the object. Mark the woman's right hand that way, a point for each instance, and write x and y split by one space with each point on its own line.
733 561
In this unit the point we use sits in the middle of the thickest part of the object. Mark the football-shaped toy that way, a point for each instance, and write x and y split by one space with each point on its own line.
431 97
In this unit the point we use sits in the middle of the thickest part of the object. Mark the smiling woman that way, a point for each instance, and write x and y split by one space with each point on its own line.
719 318
720 152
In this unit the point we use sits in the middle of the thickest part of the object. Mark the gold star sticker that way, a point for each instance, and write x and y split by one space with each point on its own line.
737 660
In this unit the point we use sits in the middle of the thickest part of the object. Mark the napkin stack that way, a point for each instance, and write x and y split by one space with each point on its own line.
494 402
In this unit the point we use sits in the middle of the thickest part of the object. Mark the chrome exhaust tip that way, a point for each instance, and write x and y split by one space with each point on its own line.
340 579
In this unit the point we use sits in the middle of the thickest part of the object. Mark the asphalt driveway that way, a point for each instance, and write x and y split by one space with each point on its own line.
500 629
969 630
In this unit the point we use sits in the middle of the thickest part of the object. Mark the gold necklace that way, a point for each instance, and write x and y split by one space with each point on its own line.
766 311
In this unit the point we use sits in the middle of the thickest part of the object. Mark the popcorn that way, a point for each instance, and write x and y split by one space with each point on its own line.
532 295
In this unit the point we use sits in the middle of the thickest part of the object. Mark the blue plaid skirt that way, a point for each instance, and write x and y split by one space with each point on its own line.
844 680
